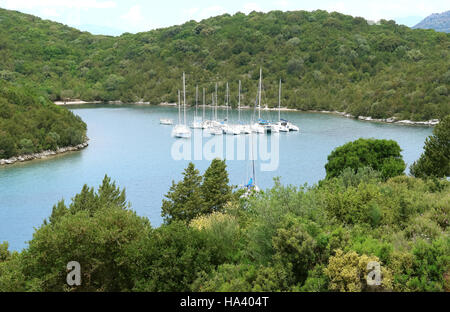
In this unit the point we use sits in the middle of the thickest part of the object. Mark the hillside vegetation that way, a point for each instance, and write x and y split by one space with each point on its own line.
327 61
30 123
314 239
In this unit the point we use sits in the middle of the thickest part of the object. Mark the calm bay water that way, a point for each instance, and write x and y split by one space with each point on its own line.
128 143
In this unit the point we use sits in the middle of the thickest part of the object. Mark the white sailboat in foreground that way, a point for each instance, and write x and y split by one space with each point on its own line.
251 186
181 130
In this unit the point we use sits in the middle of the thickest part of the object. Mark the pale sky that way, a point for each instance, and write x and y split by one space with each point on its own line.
116 16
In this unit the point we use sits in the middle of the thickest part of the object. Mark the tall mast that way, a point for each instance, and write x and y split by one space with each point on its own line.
216 103
253 159
179 107
260 87
212 106
228 98
204 98
239 101
279 103
196 101
184 97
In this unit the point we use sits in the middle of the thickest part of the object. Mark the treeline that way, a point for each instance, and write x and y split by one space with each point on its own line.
288 238
327 61
30 123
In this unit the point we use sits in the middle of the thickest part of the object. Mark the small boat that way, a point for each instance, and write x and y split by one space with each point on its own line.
166 121
251 187
284 125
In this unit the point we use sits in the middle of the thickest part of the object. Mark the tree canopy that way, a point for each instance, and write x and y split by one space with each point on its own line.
196 195
30 123
381 155
435 161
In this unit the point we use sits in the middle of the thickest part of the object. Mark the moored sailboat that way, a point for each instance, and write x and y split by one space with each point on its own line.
251 187
259 127
181 130
281 126
196 124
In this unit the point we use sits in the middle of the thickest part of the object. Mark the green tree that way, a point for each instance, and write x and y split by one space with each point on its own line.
295 247
435 161
7 146
96 241
4 252
170 258
184 201
96 236
215 190
381 155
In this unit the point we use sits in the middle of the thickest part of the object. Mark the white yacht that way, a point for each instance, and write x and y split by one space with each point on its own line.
281 127
261 126
196 124
181 130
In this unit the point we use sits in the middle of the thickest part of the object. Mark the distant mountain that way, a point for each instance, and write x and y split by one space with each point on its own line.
437 21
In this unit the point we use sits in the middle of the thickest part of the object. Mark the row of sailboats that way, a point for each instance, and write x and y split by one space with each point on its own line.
215 127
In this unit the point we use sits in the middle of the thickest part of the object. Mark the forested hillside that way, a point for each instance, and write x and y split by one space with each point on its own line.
30 123
327 61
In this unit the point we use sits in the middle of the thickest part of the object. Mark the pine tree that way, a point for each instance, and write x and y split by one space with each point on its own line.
435 161
109 193
215 189
183 201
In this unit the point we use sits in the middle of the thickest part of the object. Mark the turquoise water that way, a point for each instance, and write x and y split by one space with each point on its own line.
128 143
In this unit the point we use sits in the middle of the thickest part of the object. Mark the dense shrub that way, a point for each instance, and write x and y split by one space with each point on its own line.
381 155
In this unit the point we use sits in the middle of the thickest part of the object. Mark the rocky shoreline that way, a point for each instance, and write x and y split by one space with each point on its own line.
392 120
44 154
